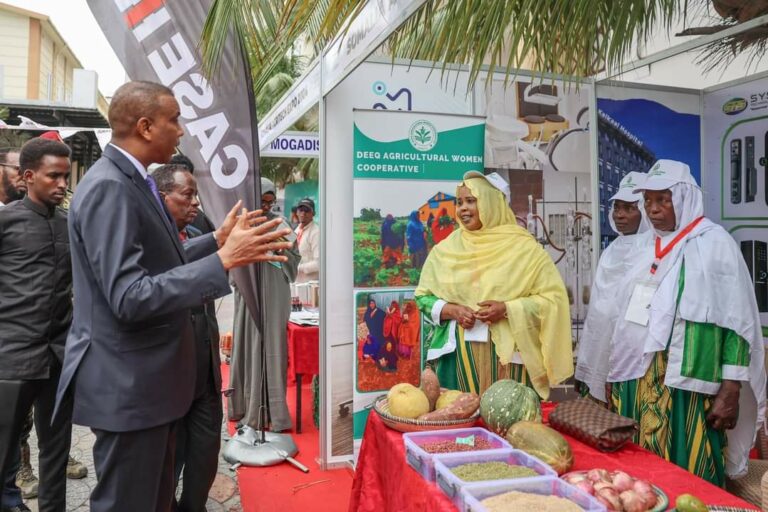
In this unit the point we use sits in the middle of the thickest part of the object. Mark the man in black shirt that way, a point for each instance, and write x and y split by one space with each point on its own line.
35 315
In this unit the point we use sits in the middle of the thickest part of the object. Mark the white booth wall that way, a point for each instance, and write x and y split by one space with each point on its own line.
420 88
427 94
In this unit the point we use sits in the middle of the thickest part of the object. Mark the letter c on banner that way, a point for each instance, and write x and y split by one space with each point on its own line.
237 176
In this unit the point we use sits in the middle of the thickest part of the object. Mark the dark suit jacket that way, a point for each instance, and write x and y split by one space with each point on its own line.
206 327
130 354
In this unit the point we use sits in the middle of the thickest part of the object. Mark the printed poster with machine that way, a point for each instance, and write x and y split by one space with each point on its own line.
406 167
538 139
736 142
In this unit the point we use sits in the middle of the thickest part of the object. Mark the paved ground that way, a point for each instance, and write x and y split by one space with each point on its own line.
224 495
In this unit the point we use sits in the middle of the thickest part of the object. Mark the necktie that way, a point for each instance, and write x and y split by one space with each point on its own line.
153 187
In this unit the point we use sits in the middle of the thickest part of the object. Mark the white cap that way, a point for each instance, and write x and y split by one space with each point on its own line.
665 174
627 187
494 179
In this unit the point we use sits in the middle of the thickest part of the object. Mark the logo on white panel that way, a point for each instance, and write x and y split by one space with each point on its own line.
422 135
401 100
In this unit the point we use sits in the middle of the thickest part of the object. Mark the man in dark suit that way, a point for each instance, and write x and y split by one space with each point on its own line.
198 434
35 314
130 358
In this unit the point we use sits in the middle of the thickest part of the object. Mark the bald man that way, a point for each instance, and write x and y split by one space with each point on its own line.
130 354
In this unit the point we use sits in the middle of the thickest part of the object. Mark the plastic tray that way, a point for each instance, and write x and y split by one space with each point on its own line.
452 485
423 462
475 493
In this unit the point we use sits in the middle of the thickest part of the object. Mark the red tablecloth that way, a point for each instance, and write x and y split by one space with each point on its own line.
303 351
384 481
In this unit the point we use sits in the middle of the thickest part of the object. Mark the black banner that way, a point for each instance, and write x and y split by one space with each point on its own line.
157 40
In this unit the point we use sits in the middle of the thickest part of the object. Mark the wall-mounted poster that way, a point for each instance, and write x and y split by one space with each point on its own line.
736 174
406 168
382 86
636 127
538 138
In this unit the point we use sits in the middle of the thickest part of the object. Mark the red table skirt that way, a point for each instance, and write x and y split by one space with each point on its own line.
303 351
384 481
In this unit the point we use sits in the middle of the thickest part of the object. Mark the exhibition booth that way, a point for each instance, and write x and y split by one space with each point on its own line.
397 136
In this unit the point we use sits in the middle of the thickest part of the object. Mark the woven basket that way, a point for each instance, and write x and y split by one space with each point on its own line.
381 406
728 509
749 486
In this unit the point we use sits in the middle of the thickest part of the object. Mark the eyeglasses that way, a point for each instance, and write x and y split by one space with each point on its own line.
12 166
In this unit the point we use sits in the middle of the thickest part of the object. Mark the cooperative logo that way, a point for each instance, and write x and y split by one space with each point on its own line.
656 171
422 135
629 183
734 106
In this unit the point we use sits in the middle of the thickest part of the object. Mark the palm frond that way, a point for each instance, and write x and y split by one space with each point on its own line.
567 37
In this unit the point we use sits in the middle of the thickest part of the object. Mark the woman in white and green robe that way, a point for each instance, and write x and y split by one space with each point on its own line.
687 356
628 220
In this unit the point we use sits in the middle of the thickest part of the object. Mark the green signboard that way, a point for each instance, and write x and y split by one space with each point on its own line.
417 146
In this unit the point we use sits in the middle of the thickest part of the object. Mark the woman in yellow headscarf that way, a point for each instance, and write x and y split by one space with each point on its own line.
493 271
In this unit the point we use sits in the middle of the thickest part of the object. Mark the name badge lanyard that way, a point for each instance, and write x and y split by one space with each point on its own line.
661 253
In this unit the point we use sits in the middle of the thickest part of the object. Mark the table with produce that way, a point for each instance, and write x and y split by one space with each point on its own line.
431 449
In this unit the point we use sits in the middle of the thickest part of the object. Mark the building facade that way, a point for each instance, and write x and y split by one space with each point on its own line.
36 64
619 153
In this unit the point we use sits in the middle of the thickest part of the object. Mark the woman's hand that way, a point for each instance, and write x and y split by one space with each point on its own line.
725 408
462 314
491 311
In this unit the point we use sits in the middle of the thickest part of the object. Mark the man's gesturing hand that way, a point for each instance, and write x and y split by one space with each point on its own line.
246 244
254 217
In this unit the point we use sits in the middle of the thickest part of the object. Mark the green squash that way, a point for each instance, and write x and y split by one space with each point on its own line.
542 442
506 402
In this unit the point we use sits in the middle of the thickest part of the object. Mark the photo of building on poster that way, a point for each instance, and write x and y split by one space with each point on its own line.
633 133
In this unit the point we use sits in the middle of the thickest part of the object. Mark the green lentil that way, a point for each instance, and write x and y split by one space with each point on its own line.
477 471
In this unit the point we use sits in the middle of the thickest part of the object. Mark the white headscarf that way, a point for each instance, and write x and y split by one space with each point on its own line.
688 203
628 194
718 290
633 345
595 341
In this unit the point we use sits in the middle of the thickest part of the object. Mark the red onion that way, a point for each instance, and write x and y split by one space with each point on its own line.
602 485
646 492
596 475
622 481
586 486
632 502
574 478
610 498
